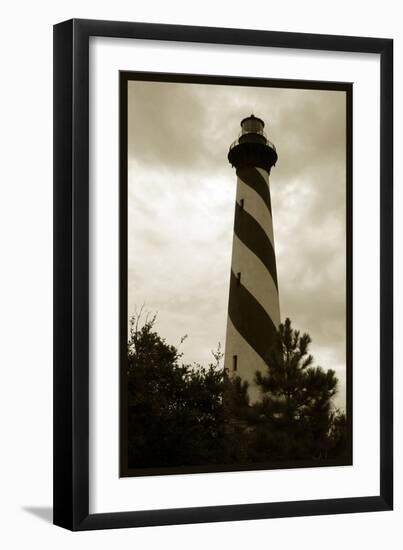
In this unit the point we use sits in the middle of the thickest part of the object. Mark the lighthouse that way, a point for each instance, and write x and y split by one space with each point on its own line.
253 305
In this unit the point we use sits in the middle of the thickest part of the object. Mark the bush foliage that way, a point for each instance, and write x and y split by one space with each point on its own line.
192 415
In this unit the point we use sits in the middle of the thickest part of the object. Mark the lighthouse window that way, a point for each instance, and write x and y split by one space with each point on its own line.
235 362
252 125
238 276
241 201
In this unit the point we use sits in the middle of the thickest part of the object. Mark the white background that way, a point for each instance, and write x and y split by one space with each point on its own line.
26 247
108 493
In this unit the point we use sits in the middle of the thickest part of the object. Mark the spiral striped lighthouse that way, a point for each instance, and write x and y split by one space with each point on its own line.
253 308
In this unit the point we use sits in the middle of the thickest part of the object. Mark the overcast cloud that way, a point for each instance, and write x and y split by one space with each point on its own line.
181 207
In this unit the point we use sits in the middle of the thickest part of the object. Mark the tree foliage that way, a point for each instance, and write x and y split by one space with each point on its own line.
296 409
175 411
190 415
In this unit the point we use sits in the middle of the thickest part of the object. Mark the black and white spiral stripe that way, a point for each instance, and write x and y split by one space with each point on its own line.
253 310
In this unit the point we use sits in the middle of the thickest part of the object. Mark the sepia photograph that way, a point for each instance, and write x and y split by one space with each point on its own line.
223 274
235 274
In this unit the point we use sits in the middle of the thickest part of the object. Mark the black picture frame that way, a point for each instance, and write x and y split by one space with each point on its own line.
71 274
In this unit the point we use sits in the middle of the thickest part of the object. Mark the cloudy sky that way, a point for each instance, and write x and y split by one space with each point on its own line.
181 193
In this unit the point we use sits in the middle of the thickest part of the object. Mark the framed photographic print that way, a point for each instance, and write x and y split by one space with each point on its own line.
201 213
223 274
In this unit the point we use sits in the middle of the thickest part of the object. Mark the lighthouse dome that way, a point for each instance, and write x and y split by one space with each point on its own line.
252 125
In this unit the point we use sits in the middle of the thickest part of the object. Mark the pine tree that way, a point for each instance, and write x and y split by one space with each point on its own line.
296 408
184 415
